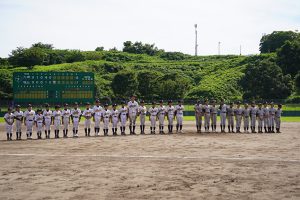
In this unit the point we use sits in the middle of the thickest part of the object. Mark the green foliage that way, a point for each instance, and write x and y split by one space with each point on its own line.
27 57
140 48
5 84
124 84
172 56
297 82
43 46
271 42
148 84
264 79
99 49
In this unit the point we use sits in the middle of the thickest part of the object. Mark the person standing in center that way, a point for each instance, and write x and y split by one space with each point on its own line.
206 110
161 116
97 110
18 114
47 120
142 113
66 113
132 112
198 115
123 117
213 113
87 114
223 111
153 117
170 115
179 116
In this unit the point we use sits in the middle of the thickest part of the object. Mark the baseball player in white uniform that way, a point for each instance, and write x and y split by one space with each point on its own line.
223 111
115 119
132 113
260 117
123 117
266 118
230 118
9 120
213 116
19 119
39 123
206 111
153 111
142 111
97 110
198 115
106 118
278 113
56 114
66 114
246 115
87 114
75 117
28 121
238 116
170 110
179 116
47 113
161 116
272 111
253 113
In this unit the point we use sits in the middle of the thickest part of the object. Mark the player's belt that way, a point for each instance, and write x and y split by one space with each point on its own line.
153 115
75 116
207 112
106 117
30 120
39 122
246 116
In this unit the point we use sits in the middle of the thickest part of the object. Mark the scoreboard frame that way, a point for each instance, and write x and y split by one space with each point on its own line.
53 87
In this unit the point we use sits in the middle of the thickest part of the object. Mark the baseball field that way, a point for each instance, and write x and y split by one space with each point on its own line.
178 166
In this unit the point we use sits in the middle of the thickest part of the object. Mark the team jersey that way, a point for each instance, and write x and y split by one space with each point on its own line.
87 113
39 118
198 109
132 107
206 109
223 108
9 117
153 111
179 109
66 113
230 111
161 110
213 110
253 111
123 111
106 113
272 111
278 113
115 113
238 111
18 114
260 112
76 113
246 112
142 110
47 114
29 115
56 114
97 110
170 110
266 112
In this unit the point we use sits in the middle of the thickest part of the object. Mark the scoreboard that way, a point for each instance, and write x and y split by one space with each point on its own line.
53 87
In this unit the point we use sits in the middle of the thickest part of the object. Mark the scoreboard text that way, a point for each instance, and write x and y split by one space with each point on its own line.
53 86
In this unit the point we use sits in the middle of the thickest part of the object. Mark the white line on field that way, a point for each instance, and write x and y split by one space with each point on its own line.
151 157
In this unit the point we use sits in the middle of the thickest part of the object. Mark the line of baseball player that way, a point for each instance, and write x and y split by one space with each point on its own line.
44 119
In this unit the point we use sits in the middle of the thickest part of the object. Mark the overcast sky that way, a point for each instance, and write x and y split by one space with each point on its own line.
86 24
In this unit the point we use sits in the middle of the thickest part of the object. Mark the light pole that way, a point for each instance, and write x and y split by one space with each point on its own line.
196 40
219 48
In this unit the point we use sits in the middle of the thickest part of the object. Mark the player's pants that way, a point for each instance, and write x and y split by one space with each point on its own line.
153 121
179 119
230 120
253 121
97 121
9 128
75 123
66 123
56 124
123 120
207 120
39 126
132 119
47 124
18 126
170 120
105 122
223 118
214 119
271 120
277 122
87 123
260 122
29 125
115 121
198 119
161 118
142 119
246 122
266 122
238 121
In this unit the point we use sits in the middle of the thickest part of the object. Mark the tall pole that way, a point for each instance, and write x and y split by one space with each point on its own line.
196 40
219 48
240 50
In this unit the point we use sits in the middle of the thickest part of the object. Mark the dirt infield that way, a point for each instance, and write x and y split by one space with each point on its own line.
178 166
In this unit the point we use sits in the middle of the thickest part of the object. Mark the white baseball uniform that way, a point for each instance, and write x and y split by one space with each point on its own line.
18 115
153 115
206 109
223 111
198 115
213 113
161 116
39 119
272 111
29 117
123 115
238 117
277 118
47 117
253 112
142 111
76 113
10 119
230 117
246 115
170 113
260 117
132 112
115 118
87 114
106 114
97 110
266 117
57 119
66 113
179 114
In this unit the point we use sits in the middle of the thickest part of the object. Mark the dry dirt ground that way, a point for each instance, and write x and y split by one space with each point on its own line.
178 166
